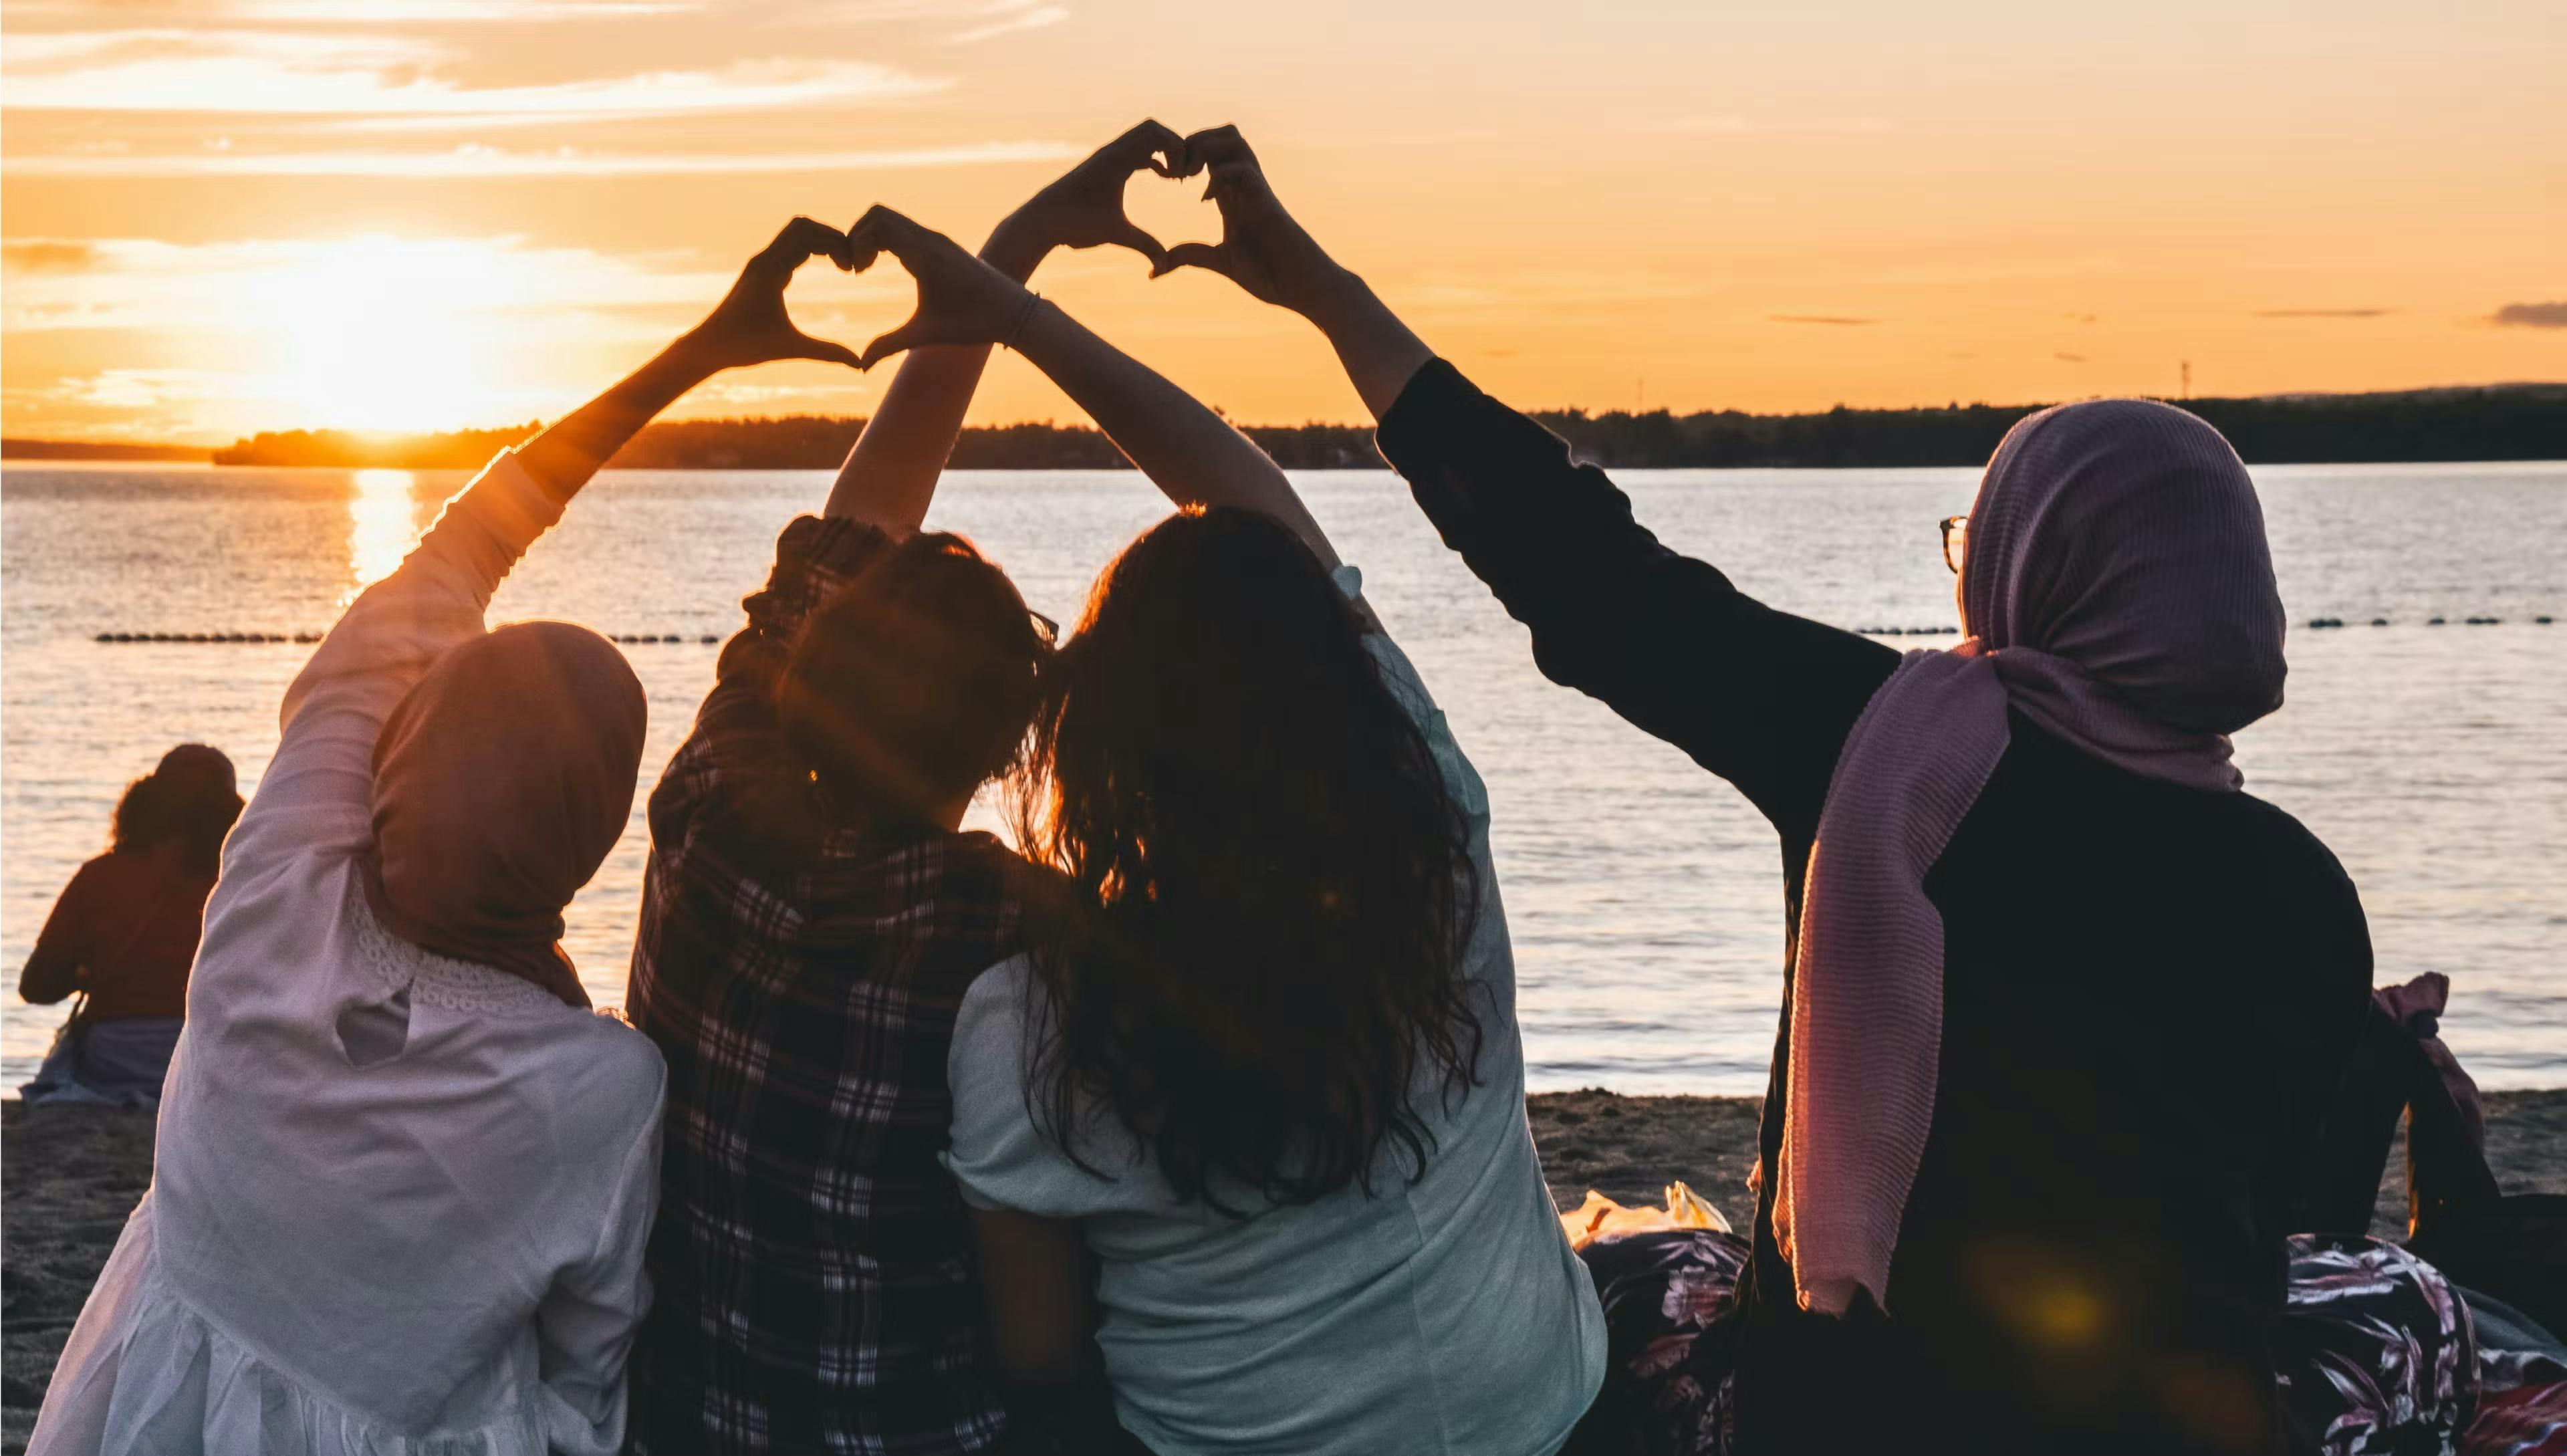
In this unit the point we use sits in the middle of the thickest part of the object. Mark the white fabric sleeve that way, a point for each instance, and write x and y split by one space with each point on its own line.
317 795
585 1324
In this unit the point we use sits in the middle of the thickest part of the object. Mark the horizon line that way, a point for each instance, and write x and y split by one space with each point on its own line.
392 435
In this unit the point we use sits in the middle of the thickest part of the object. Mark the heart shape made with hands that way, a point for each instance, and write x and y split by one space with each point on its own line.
963 299
966 300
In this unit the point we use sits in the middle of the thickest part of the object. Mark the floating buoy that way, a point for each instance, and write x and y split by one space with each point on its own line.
2379 621
712 641
2432 621
2543 621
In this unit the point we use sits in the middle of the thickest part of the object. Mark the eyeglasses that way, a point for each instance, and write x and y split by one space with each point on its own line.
1044 628
1956 539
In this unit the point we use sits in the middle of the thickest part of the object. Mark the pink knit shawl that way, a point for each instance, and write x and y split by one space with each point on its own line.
2119 594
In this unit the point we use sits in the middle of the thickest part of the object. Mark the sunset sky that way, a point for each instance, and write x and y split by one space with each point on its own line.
229 215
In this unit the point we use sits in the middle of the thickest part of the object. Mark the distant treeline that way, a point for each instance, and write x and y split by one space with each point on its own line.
91 450
2509 422
461 450
2503 423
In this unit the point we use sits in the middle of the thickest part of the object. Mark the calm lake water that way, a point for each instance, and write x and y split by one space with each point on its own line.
1644 894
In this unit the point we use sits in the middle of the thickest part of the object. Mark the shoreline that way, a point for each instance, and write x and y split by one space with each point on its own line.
70 1175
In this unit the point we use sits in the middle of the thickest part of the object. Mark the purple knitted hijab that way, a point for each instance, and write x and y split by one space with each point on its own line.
2119 594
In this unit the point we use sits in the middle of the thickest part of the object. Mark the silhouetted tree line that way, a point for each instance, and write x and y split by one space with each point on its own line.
2515 422
461 450
2511 423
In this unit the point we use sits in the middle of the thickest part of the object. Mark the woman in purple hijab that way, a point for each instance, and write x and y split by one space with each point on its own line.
2064 1003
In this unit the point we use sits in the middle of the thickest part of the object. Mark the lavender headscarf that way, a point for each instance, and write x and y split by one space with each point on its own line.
2119 594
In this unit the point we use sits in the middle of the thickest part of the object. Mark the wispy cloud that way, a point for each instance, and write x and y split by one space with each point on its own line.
1838 320
1026 17
373 74
2070 358
2531 315
475 160
352 12
451 12
2323 313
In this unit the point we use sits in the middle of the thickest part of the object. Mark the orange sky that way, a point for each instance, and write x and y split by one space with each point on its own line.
227 216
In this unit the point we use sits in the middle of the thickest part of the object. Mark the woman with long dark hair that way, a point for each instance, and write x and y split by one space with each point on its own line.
123 934
1267 1077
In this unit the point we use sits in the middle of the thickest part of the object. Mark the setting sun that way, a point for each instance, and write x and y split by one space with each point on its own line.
378 333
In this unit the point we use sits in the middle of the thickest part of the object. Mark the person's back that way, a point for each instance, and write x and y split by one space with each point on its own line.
432 1201
2149 994
123 935
126 924
1423 1298
1439 1313
399 1195
801 964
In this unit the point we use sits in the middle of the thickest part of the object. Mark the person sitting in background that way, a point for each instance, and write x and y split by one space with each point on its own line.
812 913
405 1172
1268 1081
2013 1195
123 933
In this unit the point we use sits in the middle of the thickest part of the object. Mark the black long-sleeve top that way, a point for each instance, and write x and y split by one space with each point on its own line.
2149 994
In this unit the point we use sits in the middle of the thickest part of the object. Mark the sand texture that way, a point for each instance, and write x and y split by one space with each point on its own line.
69 1176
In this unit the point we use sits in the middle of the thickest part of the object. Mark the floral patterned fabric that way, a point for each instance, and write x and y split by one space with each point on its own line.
2378 1356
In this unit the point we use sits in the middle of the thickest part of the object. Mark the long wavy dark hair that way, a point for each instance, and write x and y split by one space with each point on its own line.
193 808
1271 887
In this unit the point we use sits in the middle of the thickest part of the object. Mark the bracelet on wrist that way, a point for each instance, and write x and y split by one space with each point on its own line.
1024 315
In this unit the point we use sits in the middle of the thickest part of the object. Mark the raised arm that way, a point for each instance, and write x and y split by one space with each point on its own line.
1762 697
1192 455
890 477
318 791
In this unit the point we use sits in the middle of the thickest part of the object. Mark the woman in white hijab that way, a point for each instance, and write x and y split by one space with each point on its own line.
405 1173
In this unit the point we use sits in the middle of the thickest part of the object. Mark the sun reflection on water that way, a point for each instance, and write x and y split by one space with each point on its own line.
382 525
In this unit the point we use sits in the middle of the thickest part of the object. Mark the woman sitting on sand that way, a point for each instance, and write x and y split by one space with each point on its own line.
123 933
2063 1003
404 1172
1272 1083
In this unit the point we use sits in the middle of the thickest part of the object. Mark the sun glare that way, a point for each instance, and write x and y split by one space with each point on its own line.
382 524
384 333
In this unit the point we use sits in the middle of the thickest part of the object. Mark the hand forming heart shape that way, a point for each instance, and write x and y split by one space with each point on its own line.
750 326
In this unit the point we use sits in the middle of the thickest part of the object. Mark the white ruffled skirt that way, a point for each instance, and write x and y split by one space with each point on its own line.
146 1373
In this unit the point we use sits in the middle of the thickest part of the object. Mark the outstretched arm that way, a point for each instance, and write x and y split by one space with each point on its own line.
1193 455
1762 697
749 326
318 790
890 477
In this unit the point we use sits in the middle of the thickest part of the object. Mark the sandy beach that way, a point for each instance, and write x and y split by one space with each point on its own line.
70 1175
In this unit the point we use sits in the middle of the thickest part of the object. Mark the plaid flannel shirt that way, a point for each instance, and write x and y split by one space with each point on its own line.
816 1286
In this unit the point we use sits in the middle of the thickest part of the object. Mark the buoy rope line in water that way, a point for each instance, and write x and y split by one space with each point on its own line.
2314 622
644 639
710 639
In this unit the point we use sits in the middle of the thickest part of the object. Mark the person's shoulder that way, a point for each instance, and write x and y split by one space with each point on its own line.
998 1000
99 872
601 1067
2283 839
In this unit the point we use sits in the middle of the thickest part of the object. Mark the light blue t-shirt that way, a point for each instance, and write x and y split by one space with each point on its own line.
1447 1316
